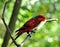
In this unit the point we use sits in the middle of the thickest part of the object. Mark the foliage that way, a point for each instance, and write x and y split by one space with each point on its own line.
47 36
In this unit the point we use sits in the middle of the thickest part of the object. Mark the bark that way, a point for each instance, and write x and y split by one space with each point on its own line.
12 22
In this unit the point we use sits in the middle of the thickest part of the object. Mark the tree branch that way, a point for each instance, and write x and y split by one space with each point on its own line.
8 29
5 8
53 19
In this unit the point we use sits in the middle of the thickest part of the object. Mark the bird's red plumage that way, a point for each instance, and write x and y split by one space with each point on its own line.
31 24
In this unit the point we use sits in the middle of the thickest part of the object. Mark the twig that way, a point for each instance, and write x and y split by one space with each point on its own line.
5 8
6 24
53 19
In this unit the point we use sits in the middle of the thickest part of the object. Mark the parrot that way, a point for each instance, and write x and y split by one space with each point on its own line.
30 25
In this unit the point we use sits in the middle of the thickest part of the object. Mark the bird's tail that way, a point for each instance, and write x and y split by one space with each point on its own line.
18 34
15 39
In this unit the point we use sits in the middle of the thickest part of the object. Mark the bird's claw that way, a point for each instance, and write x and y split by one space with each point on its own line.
33 31
29 35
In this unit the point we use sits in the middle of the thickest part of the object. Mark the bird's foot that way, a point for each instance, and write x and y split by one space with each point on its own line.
33 31
29 35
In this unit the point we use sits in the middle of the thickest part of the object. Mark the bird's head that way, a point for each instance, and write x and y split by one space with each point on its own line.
41 17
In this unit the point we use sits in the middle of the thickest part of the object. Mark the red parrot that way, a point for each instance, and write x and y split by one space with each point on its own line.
30 24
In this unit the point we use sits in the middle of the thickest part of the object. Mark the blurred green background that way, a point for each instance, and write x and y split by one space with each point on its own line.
48 35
